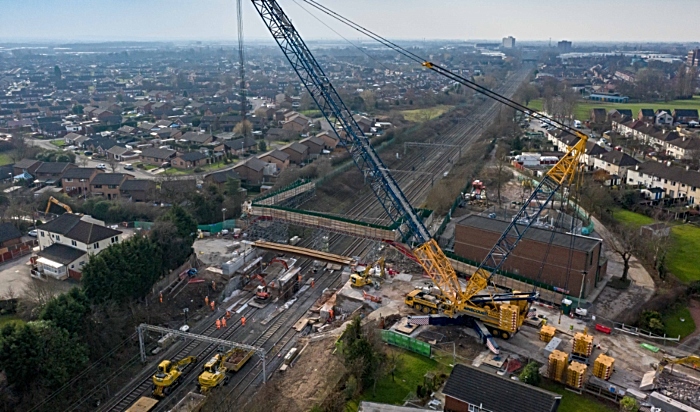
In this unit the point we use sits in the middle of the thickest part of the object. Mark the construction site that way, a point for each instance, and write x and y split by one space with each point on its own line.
265 304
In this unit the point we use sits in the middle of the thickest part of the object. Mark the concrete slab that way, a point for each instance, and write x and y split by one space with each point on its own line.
406 277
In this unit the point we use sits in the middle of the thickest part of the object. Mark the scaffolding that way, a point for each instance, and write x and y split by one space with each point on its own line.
201 338
268 229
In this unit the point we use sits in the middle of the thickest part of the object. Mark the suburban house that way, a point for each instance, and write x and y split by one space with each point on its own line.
364 123
663 118
469 389
298 153
238 146
26 165
315 145
76 181
599 115
9 235
278 157
51 172
68 241
615 163
120 153
197 138
99 145
676 182
646 115
592 150
155 156
683 147
685 115
330 140
251 171
189 160
619 114
108 184
220 178
137 190
297 123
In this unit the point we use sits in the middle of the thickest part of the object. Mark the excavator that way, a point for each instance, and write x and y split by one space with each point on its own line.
261 293
478 300
366 277
57 203
690 361
168 375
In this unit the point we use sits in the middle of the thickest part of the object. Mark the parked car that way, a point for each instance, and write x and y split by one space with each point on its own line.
101 166
165 165
128 166
32 233
88 153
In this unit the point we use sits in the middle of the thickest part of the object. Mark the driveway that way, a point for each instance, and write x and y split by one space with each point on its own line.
14 277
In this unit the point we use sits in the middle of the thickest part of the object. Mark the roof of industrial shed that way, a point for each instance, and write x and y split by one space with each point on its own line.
576 242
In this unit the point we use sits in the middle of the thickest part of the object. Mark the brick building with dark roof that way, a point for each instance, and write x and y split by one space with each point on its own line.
9 235
76 181
51 172
569 260
138 190
470 389
108 184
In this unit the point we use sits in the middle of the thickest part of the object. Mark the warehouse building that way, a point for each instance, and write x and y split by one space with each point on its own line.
570 261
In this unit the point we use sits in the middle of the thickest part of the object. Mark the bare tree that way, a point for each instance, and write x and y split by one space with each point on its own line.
244 128
20 144
626 241
113 163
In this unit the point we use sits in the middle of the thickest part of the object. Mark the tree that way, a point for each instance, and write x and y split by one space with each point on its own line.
183 220
528 93
112 162
626 241
78 109
174 250
20 146
57 72
530 374
68 311
370 99
629 404
262 146
244 128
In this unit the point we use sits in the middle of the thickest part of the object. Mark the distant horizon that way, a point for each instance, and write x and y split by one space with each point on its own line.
448 20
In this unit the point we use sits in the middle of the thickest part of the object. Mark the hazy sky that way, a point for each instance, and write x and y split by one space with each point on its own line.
577 20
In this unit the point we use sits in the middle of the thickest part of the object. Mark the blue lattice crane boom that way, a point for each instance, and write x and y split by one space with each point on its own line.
454 299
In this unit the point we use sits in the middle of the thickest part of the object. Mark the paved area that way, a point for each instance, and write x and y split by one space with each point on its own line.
14 277
691 342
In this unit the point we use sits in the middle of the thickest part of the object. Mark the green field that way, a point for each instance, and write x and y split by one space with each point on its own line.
422 115
674 325
572 402
683 259
583 108
409 373
7 319
5 158
58 142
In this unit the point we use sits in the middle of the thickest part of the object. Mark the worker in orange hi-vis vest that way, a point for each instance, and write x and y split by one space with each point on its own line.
242 320
212 304
218 324
206 300
228 314
223 322
312 283
299 278
161 297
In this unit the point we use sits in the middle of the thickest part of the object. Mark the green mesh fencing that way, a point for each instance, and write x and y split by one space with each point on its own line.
407 342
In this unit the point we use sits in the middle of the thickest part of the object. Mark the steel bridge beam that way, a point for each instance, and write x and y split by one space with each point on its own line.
225 343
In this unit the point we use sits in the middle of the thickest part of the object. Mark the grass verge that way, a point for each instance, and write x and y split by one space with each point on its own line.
572 402
58 142
683 259
583 108
7 319
423 115
5 158
674 325
408 375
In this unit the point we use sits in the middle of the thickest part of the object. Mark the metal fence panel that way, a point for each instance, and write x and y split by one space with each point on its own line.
407 342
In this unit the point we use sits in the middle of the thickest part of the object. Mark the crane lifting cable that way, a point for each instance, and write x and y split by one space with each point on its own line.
241 62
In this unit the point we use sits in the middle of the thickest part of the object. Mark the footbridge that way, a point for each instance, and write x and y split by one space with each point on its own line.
302 251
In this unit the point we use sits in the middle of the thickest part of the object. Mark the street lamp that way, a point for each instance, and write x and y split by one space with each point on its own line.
583 281
223 213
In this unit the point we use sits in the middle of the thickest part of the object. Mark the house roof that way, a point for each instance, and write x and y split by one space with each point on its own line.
26 163
196 137
277 154
137 185
104 142
117 150
686 113
72 136
192 156
236 143
72 227
163 154
593 149
582 243
109 178
79 173
496 393
253 163
8 231
677 174
618 158
297 147
222 177
185 185
61 253
53 167
647 112
313 140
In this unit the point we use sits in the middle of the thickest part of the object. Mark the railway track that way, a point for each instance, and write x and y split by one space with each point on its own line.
275 338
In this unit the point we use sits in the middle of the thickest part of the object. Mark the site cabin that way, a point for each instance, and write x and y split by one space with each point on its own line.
144 404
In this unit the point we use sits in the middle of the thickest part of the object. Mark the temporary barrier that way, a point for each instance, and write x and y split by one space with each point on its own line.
407 342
